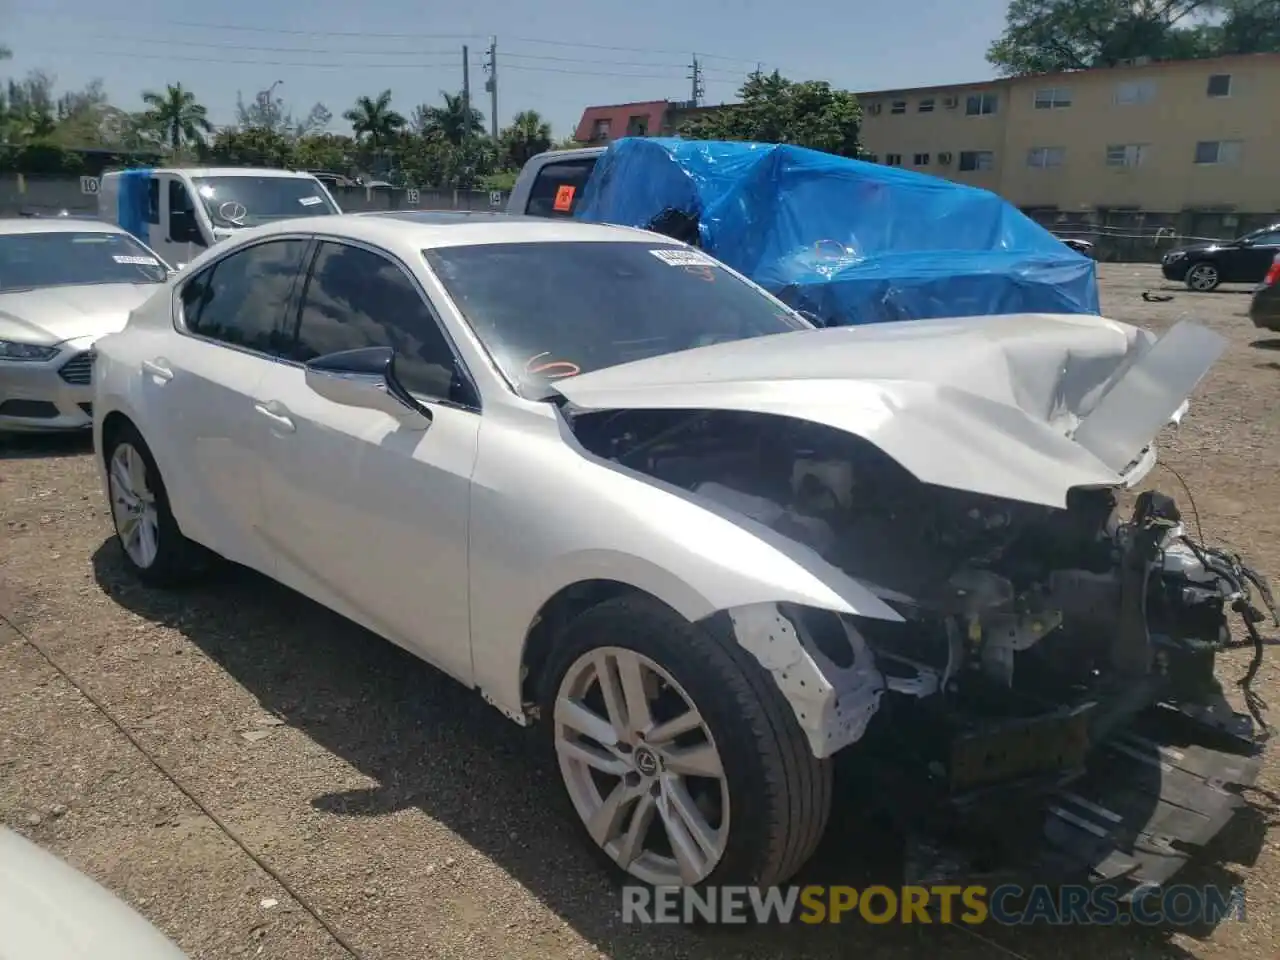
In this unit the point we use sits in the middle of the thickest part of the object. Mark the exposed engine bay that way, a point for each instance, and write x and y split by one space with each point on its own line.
1032 634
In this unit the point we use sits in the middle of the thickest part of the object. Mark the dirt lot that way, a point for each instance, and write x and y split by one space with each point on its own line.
407 811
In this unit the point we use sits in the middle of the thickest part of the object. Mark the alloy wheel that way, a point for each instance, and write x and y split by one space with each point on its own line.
1203 277
641 767
133 505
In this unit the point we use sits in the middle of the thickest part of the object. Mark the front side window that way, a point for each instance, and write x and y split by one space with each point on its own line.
251 201
71 258
558 188
547 310
355 298
241 299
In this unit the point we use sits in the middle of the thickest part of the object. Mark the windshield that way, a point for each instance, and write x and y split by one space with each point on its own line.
57 259
250 201
550 310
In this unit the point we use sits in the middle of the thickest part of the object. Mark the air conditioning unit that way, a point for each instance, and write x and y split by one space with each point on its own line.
944 158
950 103
875 109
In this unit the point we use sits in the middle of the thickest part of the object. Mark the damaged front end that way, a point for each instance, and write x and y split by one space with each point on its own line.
1048 702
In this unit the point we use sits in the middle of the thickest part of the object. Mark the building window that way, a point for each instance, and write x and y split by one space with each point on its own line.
1135 91
1219 85
893 159
1043 158
925 106
1218 151
981 104
870 158
977 160
920 160
601 130
1052 98
898 106
1126 154
638 126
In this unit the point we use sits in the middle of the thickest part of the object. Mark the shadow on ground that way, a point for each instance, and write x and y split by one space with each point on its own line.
1266 343
431 744
45 446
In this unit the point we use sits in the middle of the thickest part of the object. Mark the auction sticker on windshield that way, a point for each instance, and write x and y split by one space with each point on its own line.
310 201
683 258
141 261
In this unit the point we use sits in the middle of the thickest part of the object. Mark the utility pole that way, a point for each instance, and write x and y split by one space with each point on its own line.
466 92
491 67
695 74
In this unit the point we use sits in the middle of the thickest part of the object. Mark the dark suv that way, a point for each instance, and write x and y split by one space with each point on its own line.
1203 266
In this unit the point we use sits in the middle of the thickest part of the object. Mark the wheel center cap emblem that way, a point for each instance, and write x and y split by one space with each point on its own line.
646 762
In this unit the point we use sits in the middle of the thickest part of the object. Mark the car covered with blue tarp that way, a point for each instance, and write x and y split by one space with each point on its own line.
846 241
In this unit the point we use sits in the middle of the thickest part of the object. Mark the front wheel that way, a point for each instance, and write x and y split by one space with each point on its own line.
154 548
679 754
1203 277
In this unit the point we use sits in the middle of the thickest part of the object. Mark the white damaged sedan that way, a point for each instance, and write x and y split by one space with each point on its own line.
630 497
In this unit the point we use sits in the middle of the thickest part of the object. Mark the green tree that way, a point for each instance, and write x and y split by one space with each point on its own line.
374 119
30 108
776 110
177 116
453 122
1047 36
528 135
251 147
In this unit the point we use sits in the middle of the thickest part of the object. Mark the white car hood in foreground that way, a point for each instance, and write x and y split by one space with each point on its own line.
49 315
50 911
1023 406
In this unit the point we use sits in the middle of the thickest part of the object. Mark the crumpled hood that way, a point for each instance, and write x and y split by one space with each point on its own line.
1023 406
50 315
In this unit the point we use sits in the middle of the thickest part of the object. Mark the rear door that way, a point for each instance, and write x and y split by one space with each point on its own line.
201 392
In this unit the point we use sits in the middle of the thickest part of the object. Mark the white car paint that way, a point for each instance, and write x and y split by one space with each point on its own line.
51 911
450 539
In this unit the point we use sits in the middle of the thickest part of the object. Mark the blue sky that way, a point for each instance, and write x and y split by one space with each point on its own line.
554 56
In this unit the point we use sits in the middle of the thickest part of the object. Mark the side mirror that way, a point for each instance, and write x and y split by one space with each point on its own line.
366 378
183 228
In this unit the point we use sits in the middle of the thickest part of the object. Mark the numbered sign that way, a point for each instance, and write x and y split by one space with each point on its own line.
411 196
89 185
495 198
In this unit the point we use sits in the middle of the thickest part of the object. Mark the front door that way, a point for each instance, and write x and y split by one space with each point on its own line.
364 513
1255 259
178 236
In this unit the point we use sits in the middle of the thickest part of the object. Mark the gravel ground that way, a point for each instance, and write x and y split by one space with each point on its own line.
410 814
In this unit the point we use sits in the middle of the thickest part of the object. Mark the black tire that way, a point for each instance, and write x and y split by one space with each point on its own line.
779 792
178 560
1203 269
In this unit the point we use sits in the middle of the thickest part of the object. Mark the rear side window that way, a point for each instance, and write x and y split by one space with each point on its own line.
558 188
241 299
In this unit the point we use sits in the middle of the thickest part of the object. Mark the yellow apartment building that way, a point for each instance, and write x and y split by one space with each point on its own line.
1194 143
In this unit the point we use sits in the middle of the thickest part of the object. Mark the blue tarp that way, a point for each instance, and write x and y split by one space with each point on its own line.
132 204
849 241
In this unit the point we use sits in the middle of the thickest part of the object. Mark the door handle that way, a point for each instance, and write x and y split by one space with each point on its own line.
158 369
280 421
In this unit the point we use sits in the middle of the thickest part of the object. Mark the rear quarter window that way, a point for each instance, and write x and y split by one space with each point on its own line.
558 188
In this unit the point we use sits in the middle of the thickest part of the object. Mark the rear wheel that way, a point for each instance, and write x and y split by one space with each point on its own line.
1203 277
678 753
154 548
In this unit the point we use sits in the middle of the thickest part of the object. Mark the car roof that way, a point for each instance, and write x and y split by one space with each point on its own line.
417 230
224 172
17 225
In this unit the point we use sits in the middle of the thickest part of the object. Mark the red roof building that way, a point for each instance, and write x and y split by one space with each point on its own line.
602 124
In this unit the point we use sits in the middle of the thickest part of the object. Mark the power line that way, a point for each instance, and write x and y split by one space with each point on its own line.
46 14
305 64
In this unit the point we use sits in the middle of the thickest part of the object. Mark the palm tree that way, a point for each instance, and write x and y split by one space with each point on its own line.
177 116
375 119
528 134
453 122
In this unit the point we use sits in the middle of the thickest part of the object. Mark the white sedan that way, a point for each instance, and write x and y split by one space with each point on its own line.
623 492
63 284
